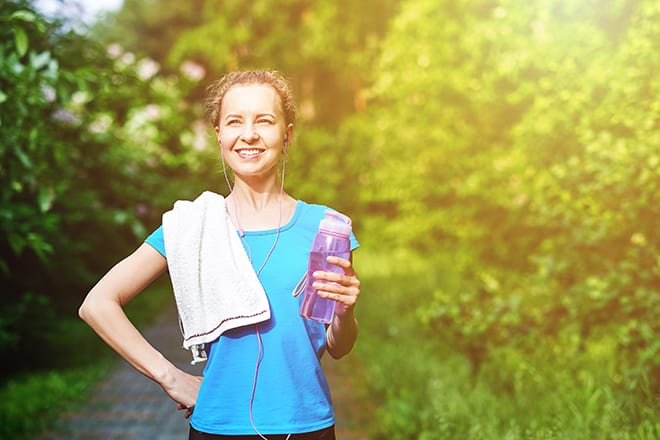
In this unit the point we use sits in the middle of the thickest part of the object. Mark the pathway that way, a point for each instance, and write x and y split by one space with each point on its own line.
129 406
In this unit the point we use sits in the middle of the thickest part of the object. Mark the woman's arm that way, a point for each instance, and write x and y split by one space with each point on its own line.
103 311
342 334
345 289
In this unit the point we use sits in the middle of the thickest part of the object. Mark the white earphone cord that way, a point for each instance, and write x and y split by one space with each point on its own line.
270 252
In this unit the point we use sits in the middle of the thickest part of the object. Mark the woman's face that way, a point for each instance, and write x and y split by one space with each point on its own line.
252 131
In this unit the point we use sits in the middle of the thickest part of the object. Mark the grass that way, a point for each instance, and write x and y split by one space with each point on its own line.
426 391
420 387
31 400
30 403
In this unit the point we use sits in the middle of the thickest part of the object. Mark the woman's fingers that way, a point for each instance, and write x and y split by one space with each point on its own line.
343 288
343 263
189 410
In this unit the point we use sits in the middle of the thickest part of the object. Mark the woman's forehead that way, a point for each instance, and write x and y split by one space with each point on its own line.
251 97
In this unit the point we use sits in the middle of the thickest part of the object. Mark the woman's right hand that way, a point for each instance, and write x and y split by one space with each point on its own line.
183 389
103 311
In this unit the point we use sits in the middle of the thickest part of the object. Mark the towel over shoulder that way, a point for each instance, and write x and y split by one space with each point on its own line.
215 286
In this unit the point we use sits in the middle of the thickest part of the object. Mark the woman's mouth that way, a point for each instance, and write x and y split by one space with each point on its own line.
249 153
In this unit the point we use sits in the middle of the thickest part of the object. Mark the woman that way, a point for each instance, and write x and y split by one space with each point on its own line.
262 380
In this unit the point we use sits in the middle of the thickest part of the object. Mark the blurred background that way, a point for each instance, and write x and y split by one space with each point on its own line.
500 160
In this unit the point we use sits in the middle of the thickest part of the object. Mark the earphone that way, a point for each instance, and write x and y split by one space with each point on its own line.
258 272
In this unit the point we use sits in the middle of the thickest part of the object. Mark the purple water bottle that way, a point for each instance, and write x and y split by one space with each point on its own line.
332 238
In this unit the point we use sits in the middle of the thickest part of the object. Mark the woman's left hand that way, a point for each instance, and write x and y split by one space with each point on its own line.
342 288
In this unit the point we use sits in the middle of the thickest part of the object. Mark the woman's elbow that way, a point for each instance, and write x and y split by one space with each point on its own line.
85 310
91 306
338 351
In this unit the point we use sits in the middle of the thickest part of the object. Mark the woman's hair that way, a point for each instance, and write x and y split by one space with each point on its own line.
217 90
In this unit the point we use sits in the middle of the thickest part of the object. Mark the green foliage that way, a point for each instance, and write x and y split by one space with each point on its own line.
326 48
25 179
30 402
91 139
425 389
524 137
514 145
28 405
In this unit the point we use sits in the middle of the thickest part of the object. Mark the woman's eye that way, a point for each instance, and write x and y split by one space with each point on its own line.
233 122
264 121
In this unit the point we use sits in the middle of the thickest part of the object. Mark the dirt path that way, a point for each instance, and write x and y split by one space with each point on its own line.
129 406
353 410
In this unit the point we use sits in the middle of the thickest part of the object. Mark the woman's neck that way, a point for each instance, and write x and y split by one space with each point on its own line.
256 195
260 208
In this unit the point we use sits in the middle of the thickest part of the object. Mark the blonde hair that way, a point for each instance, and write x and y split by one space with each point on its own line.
217 89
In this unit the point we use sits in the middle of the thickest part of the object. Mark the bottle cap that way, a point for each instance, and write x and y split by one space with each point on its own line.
336 223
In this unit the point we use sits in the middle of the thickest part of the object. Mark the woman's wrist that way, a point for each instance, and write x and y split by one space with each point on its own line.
342 334
163 372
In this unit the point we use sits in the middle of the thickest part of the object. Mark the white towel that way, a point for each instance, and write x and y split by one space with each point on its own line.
215 286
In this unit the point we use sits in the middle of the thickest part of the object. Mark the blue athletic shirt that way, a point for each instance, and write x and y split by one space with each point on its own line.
292 395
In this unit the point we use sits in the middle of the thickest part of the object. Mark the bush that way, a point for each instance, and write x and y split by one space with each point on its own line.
425 387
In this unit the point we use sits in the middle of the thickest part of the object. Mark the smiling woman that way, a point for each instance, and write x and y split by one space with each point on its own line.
243 320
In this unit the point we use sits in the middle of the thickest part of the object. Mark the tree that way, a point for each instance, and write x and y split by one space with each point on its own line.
507 134
90 140
326 48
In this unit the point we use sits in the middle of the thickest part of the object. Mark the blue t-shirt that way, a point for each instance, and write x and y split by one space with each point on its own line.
291 395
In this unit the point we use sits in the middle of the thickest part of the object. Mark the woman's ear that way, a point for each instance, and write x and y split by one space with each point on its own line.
217 133
288 135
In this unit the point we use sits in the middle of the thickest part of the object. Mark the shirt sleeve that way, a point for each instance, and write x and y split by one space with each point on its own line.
157 241
354 243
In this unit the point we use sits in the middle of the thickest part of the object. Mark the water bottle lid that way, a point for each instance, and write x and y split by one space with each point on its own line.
336 223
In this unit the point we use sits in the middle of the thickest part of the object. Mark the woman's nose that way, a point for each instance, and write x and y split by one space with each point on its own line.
249 133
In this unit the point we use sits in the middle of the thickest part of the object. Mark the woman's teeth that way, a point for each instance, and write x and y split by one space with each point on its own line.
249 153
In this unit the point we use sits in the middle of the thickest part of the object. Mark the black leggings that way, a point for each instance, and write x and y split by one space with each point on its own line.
323 434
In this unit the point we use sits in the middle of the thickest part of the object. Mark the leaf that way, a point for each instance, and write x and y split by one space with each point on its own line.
22 157
22 42
4 268
40 246
45 198
23 15
39 60
16 242
3 96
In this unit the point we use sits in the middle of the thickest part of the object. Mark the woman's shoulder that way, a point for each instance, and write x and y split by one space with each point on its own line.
314 212
315 207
